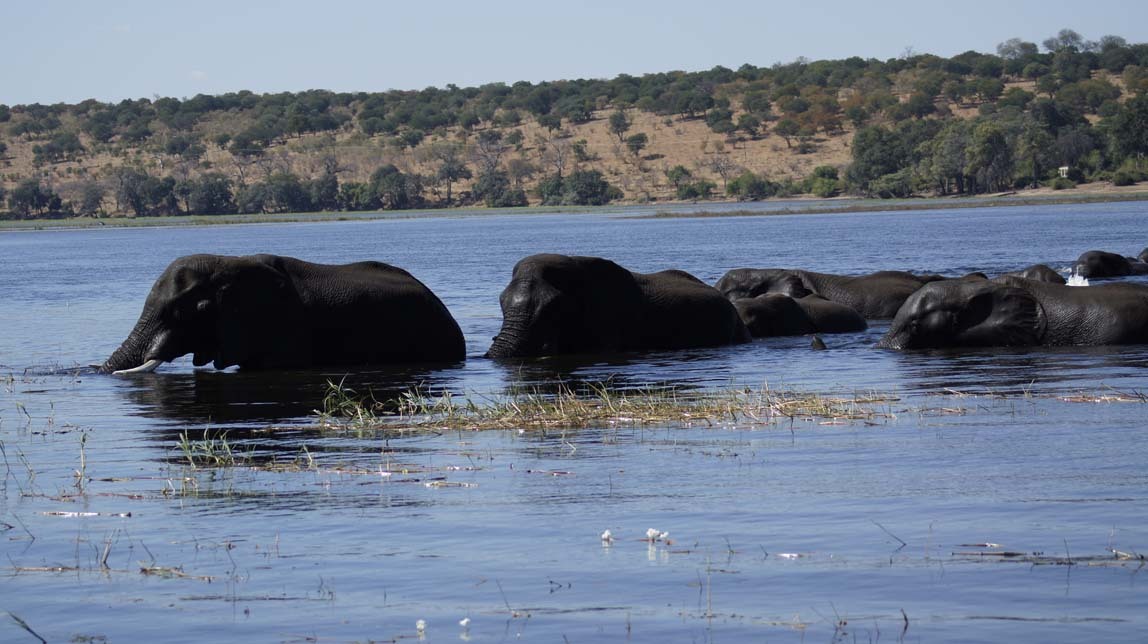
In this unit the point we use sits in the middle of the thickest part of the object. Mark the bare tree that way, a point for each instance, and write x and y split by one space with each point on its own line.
723 166
488 150
555 152
520 169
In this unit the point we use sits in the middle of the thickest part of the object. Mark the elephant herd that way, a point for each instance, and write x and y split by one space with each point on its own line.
271 312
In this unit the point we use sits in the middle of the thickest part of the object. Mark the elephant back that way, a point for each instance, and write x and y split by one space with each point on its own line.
681 311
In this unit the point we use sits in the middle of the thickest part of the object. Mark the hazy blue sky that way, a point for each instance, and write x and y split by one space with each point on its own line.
64 50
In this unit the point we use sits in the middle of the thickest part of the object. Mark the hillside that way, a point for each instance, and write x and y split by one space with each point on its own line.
918 125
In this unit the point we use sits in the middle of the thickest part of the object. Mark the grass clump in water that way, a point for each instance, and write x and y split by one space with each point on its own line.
600 406
210 451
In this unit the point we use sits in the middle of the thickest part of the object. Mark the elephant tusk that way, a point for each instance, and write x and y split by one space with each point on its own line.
146 367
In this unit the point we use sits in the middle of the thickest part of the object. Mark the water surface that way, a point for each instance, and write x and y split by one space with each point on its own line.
858 530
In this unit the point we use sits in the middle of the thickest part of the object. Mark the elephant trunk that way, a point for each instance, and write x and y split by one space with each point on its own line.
509 343
139 351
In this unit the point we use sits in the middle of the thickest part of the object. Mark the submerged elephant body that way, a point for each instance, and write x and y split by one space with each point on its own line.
558 304
774 314
1013 311
874 296
1099 264
266 311
1039 273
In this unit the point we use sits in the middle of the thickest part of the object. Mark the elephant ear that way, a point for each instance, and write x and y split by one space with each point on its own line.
1001 316
259 318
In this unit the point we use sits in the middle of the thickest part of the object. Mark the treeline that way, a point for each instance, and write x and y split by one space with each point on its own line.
1084 108
140 194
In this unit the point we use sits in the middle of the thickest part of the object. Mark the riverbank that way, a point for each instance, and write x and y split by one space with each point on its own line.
1088 193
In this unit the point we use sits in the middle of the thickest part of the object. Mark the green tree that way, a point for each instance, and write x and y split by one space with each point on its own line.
324 191
550 121
1064 39
635 143
946 158
285 192
494 189
411 138
876 152
990 159
29 197
1129 128
750 186
131 190
211 195
588 188
451 166
700 189
1034 146
749 123
63 146
787 129
395 190
678 175
91 198
619 124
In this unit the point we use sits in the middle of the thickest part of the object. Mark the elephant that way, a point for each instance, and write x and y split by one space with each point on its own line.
1039 273
772 314
874 296
1099 264
559 304
271 312
1014 311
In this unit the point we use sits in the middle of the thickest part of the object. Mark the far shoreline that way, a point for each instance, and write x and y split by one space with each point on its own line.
662 210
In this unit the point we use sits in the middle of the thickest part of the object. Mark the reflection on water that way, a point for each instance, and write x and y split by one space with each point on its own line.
243 397
1023 370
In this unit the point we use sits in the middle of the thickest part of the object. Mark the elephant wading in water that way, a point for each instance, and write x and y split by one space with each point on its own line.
556 304
1013 311
1039 273
266 312
1098 264
773 314
875 296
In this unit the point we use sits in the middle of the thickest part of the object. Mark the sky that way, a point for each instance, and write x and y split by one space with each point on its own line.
68 51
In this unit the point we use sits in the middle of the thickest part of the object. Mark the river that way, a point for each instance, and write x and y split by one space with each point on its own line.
858 530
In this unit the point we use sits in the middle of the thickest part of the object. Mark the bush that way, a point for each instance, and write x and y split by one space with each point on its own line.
1062 183
582 188
495 191
894 184
823 187
701 189
1123 178
750 186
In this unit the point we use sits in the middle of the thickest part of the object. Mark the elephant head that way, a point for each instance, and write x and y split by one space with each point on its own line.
215 308
1096 264
1039 273
751 282
969 314
773 314
557 304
